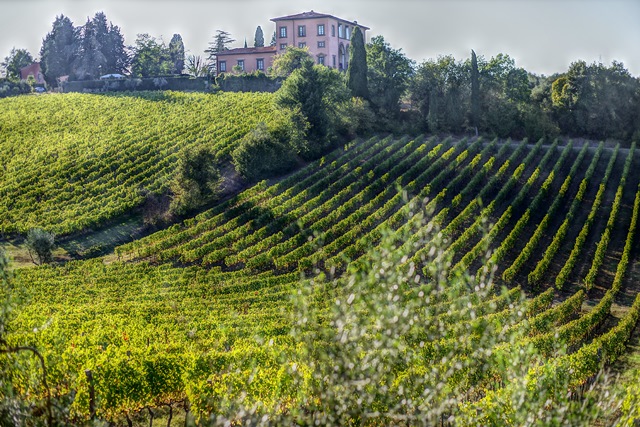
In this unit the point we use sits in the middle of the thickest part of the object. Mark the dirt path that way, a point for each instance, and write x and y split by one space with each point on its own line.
84 246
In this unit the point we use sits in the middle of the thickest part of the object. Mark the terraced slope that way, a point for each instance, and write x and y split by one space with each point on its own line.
74 161
204 308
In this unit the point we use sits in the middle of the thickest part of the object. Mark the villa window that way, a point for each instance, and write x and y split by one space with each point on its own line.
321 59
321 29
340 31
223 66
334 61
283 32
333 31
320 45
283 46
302 31
260 64
241 64
302 45
346 32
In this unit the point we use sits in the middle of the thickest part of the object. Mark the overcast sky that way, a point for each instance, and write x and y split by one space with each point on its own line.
543 36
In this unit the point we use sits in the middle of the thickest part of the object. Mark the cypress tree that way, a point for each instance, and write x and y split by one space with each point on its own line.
357 70
176 52
432 119
475 92
258 40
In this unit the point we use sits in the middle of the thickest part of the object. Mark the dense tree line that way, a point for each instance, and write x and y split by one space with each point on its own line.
498 98
84 52
98 48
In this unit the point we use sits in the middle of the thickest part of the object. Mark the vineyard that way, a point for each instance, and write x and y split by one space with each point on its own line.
82 160
473 251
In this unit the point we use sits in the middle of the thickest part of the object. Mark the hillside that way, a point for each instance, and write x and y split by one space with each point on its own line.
204 309
72 161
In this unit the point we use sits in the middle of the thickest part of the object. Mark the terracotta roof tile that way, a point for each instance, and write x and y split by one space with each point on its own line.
313 15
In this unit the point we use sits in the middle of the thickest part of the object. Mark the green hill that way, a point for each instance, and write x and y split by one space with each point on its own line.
72 161
275 301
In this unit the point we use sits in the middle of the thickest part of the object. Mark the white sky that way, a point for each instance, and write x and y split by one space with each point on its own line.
543 36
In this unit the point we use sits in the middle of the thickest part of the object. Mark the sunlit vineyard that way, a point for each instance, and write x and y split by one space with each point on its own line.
219 311
74 161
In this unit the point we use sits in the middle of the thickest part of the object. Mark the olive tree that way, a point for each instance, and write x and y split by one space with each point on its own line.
40 245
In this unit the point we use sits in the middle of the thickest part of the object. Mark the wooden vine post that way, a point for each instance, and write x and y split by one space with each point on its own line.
92 394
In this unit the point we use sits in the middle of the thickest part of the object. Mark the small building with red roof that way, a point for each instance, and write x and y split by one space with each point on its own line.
32 70
248 59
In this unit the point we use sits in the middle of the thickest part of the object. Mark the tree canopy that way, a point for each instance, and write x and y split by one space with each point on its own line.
220 43
388 73
59 50
499 98
84 52
196 180
597 101
313 92
292 59
196 66
90 61
40 245
150 57
17 59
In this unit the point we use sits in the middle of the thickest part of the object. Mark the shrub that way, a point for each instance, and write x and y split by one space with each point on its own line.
155 207
356 117
40 245
263 153
196 180
314 92
292 59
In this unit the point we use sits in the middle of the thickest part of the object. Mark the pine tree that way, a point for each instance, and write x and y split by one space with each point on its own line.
111 44
59 50
90 61
273 39
357 70
117 57
103 41
99 49
219 44
475 92
258 40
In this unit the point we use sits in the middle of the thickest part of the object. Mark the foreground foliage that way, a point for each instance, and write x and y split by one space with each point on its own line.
329 297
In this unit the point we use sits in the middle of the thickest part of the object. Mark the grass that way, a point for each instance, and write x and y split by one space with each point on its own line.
87 245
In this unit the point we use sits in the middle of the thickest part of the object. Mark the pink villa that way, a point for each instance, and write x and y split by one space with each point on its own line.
326 37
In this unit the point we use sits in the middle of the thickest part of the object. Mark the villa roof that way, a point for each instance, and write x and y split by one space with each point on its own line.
246 50
313 15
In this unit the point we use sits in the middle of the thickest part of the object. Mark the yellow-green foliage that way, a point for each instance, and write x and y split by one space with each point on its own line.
387 326
72 161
